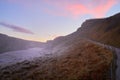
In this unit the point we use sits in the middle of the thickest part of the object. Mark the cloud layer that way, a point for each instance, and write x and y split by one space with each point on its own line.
76 8
16 28
72 8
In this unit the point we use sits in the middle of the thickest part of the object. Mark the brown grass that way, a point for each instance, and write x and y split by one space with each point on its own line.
80 61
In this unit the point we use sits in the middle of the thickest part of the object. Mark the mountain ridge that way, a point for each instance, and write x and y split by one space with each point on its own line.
104 30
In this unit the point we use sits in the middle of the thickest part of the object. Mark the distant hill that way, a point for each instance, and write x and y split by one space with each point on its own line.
8 43
106 30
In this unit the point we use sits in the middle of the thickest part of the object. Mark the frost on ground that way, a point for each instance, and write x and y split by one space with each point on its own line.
13 57
76 59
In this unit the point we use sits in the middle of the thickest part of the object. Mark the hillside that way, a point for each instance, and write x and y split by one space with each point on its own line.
72 59
106 30
8 43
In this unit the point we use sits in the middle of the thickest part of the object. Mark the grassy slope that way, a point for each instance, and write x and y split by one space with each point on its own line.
105 30
81 60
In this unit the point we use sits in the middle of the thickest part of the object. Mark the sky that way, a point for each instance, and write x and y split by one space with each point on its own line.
42 20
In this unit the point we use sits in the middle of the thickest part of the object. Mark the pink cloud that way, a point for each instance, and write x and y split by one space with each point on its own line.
96 8
71 8
16 28
103 8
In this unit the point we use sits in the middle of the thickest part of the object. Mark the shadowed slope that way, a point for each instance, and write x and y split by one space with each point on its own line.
105 30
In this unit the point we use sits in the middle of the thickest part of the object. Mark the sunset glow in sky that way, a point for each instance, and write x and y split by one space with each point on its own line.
42 20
